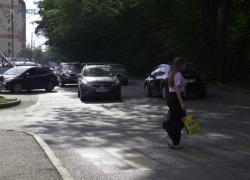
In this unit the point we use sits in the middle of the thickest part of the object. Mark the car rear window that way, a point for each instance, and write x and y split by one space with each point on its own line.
99 72
117 66
191 69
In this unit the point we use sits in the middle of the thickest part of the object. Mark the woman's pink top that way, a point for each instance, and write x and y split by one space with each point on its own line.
178 81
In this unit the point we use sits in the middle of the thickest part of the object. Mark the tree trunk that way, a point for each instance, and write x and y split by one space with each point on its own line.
223 62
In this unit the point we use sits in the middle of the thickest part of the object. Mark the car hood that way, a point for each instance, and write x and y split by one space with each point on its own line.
73 71
100 79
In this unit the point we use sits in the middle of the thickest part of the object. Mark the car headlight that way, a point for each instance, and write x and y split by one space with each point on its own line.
116 83
85 83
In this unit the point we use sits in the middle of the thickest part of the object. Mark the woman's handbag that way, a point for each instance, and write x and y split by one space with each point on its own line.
190 123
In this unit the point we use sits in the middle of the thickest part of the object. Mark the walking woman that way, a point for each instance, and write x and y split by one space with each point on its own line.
175 102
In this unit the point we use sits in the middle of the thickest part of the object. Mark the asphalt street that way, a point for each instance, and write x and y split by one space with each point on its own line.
106 139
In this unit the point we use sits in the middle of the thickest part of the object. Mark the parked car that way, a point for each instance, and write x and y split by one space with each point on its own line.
120 69
157 81
98 81
28 77
67 72
2 84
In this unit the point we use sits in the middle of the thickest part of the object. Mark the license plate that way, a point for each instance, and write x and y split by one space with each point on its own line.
190 80
102 90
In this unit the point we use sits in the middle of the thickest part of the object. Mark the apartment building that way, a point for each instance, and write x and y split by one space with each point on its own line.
19 27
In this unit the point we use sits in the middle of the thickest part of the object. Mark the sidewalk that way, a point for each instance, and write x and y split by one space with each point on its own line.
22 157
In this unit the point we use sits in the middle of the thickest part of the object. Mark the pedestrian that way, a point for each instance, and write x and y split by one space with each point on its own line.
175 102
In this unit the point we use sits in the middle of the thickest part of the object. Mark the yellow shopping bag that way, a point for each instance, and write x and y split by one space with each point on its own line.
191 124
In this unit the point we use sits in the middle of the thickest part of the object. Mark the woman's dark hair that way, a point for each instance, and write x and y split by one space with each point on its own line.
178 62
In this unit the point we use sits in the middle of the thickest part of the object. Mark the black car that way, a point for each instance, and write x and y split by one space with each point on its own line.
29 77
68 71
98 81
157 81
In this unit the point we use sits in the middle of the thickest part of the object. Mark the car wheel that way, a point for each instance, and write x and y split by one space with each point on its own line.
147 90
49 86
81 96
62 82
164 92
201 95
78 92
17 88
118 97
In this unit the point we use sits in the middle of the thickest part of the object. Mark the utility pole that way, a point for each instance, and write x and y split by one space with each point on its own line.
12 29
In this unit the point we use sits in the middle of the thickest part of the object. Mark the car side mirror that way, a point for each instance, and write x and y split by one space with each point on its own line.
78 75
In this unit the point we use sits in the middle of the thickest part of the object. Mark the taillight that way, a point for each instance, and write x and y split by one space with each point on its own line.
167 78
126 72
1 79
202 77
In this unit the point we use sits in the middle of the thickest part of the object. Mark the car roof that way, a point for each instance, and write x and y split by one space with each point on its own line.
91 66
70 63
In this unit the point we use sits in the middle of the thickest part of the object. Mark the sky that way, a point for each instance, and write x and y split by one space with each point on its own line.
31 28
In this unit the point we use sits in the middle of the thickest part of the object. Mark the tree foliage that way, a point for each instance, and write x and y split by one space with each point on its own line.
141 34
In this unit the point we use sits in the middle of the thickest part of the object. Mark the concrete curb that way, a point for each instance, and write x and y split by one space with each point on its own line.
11 104
55 161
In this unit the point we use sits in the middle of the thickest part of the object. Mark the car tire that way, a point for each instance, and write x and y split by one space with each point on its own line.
147 90
62 82
118 97
49 86
81 97
201 95
164 92
78 92
16 88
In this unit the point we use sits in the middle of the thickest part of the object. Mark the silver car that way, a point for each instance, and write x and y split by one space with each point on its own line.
120 69
98 81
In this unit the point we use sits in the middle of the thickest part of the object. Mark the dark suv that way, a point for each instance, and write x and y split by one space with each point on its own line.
157 81
67 72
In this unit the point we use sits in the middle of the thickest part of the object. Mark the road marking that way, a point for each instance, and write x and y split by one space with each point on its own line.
231 146
201 157
131 157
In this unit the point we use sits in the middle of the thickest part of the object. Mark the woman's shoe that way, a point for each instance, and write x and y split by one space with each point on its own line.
169 141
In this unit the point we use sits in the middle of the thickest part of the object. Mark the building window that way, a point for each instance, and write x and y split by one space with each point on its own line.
23 37
23 14
9 6
23 45
9 21
9 36
9 43
23 23
9 29
9 51
23 29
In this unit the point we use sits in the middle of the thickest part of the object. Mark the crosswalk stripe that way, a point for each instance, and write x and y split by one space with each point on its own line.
231 146
131 157
201 157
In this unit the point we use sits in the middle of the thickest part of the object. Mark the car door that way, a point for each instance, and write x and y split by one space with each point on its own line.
29 79
42 77
153 79
160 78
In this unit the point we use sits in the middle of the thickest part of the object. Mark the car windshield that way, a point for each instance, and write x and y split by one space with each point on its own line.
71 66
99 72
15 71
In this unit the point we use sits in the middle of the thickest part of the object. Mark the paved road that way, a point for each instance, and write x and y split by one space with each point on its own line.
103 139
